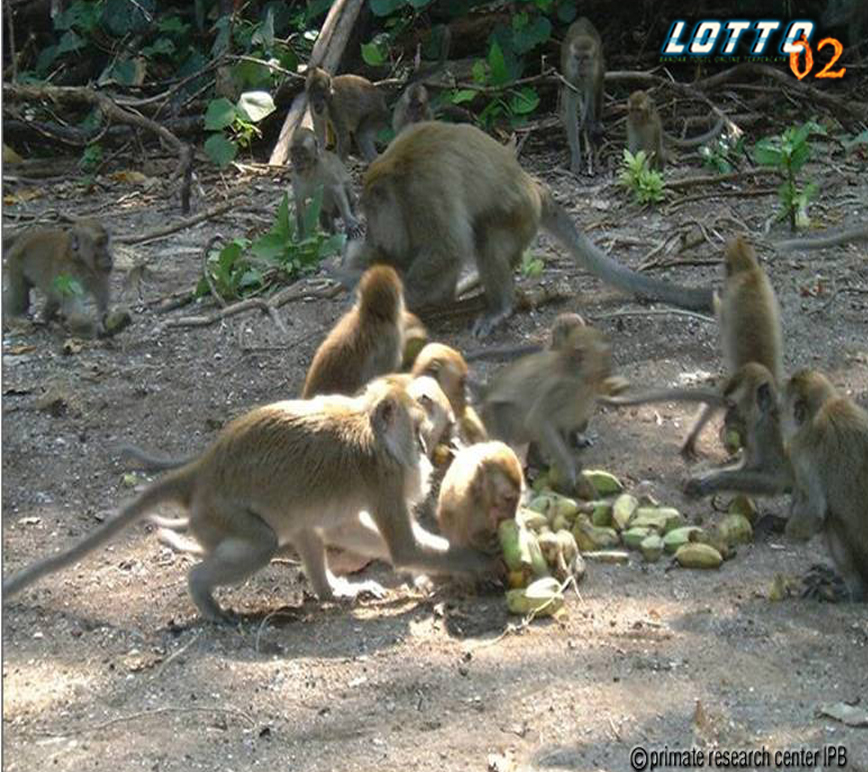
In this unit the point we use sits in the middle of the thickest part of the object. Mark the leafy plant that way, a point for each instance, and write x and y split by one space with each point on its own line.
788 153
636 175
720 155
234 126
531 266
247 267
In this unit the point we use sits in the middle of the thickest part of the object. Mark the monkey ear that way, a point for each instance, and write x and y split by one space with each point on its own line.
384 414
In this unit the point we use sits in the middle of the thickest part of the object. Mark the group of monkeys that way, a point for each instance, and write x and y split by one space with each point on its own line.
345 464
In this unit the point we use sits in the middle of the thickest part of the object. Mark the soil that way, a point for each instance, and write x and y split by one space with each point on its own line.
107 666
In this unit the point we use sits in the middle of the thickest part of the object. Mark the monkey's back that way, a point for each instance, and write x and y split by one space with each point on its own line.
456 168
358 97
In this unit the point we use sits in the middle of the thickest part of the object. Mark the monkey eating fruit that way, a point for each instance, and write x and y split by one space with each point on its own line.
283 474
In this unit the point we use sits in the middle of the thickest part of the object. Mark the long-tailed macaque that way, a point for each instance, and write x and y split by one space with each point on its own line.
283 474
645 131
749 320
45 258
442 193
413 106
543 397
583 67
367 341
827 443
753 408
352 105
315 169
482 486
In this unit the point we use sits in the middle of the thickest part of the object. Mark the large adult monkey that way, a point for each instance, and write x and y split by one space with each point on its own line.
442 193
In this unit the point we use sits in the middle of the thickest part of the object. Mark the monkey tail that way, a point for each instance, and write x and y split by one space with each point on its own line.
175 486
556 220
707 396
148 462
702 139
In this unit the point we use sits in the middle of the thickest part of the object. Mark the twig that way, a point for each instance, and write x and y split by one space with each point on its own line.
655 312
271 66
167 230
146 713
826 240
175 654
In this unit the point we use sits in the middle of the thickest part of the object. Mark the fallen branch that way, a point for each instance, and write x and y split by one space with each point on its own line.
86 95
327 53
166 230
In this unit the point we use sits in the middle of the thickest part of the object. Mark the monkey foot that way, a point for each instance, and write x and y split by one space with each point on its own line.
822 583
342 590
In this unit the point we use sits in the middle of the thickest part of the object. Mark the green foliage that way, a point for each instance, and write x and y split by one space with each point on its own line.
788 153
720 155
531 267
636 175
68 286
234 126
91 158
244 268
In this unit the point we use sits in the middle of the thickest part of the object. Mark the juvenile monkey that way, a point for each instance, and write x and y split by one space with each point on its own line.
583 67
412 107
353 106
827 442
543 397
314 168
415 338
443 192
749 320
764 469
282 474
482 486
448 368
366 342
645 131
42 257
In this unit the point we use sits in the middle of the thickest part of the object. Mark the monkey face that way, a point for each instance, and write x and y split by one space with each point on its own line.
583 58
89 246
302 153
639 105
318 86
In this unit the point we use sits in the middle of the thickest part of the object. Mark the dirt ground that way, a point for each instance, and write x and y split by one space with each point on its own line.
107 666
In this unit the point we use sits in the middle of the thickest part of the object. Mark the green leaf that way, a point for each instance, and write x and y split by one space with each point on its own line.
766 154
419 4
385 7
161 47
68 286
269 247
256 105
372 54
497 65
524 101
172 25
567 11
462 95
532 35
220 114
220 150
264 33
123 17
69 42
124 72
480 72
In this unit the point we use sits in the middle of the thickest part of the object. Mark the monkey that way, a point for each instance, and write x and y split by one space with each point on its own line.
440 418
482 486
448 368
313 169
42 257
558 334
544 396
583 67
827 443
415 338
283 474
352 105
367 341
442 192
412 107
753 407
645 131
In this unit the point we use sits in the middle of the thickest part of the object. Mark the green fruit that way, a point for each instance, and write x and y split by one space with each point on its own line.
634 536
696 555
661 519
651 548
623 510
679 537
543 596
605 483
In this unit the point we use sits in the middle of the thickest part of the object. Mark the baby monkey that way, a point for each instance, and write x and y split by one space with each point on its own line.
413 106
352 105
315 169
482 486
44 258
285 474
